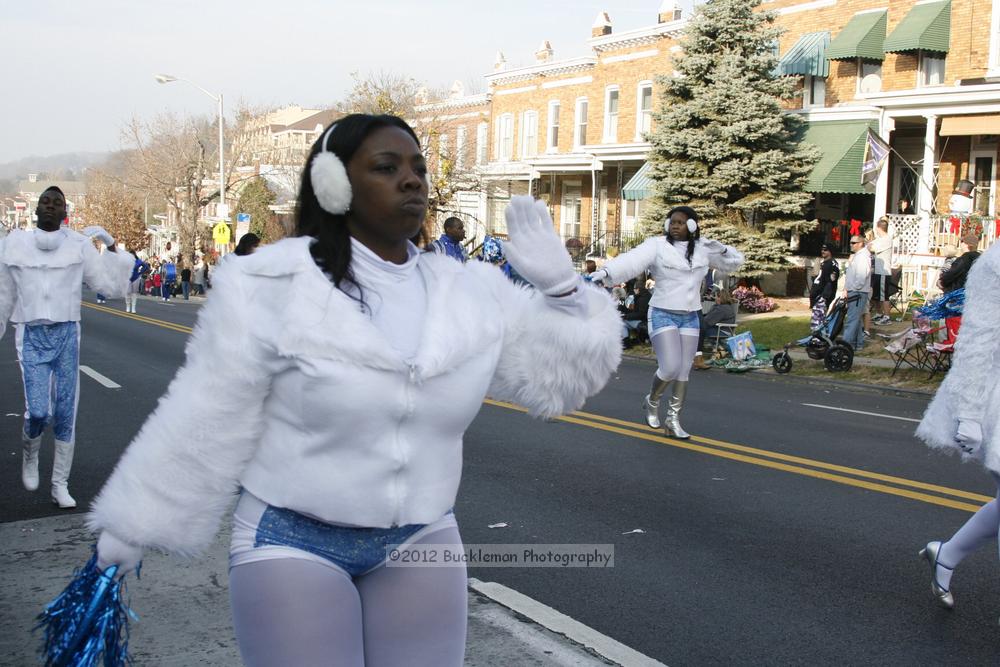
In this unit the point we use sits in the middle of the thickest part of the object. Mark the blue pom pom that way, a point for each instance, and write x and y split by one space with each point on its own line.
948 305
87 624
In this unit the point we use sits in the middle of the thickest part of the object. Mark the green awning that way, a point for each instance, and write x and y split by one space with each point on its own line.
808 56
842 143
862 37
927 27
639 186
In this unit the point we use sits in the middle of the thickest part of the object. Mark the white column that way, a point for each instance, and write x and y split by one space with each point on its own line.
882 184
927 184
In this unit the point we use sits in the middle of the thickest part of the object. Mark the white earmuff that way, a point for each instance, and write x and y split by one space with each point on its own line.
329 179
692 225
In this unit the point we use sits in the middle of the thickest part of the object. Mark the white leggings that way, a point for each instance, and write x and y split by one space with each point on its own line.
298 611
675 350
982 527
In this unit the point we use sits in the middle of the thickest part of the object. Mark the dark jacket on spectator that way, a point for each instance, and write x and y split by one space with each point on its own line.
640 306
955 276
825 284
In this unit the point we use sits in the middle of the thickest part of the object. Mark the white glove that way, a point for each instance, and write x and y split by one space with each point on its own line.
113 551
99 233
712 245
598 276
969 435
534 249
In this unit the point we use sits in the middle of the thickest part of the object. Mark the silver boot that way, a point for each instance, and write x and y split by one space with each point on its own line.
651 403
61 465
29 461
674 406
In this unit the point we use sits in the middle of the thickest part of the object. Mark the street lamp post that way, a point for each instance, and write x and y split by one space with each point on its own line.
223 209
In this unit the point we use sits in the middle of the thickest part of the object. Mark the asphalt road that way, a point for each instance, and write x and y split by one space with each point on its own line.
781 534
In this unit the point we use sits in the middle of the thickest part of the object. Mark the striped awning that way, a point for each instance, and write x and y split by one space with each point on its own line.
862 37
927 27
842 144
639 186
958 126
807 56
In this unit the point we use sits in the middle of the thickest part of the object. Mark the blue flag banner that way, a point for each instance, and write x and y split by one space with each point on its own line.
876 153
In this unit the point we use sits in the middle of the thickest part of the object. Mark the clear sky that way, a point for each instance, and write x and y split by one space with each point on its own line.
75 71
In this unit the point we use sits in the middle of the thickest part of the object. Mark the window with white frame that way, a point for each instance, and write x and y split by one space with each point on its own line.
482 131
460 147
580 123
552 138
813 91
611 95
931 69
529 134
443 158
505 138
644 110
869 75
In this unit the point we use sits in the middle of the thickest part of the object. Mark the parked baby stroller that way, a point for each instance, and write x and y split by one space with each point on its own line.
824 342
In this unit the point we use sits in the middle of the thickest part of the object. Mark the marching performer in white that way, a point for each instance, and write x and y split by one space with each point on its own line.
964 416
347 365
42 271
678 262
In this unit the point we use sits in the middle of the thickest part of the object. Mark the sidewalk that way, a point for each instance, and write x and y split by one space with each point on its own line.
183 607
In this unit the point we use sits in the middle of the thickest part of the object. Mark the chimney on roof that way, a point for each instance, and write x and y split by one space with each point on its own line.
669 11
602 25
499 63
544 52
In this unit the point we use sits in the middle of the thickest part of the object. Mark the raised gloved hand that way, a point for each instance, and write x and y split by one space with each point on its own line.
534 248
969 435
712 245
113 551
99 233
599 276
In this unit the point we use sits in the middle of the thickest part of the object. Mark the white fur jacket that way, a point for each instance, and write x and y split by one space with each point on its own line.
291 392
38 284
971 389
678 283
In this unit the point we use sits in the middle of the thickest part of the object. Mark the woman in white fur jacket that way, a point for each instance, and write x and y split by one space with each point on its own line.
347 365
678 262
964 416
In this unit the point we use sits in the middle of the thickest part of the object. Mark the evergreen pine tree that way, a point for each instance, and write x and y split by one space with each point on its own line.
256 199
722 144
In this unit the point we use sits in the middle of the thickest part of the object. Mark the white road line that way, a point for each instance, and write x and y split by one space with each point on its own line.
862 412
559 623
110 384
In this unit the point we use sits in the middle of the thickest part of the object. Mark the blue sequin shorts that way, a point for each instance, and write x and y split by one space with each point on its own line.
263 532
660 319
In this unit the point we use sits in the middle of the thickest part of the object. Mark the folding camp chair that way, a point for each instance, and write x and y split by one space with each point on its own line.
937 357
908 348
726 330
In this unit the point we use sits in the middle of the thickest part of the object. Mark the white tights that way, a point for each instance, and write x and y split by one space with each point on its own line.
674 353
299 612
981 528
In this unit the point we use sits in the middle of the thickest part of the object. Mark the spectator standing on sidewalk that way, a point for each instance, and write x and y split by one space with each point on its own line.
321 354
857 291
882 286
42 271
139 271
824 286
185 281
964 416
198 278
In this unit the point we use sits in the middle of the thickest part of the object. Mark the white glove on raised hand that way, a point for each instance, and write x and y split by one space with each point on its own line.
969 435
113 551
534 249
599 276
99 233
712 245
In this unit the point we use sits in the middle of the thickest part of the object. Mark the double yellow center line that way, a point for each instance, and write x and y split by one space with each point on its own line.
864 479
872 481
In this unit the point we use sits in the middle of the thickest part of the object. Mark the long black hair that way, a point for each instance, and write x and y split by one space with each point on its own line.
692 236
332 250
